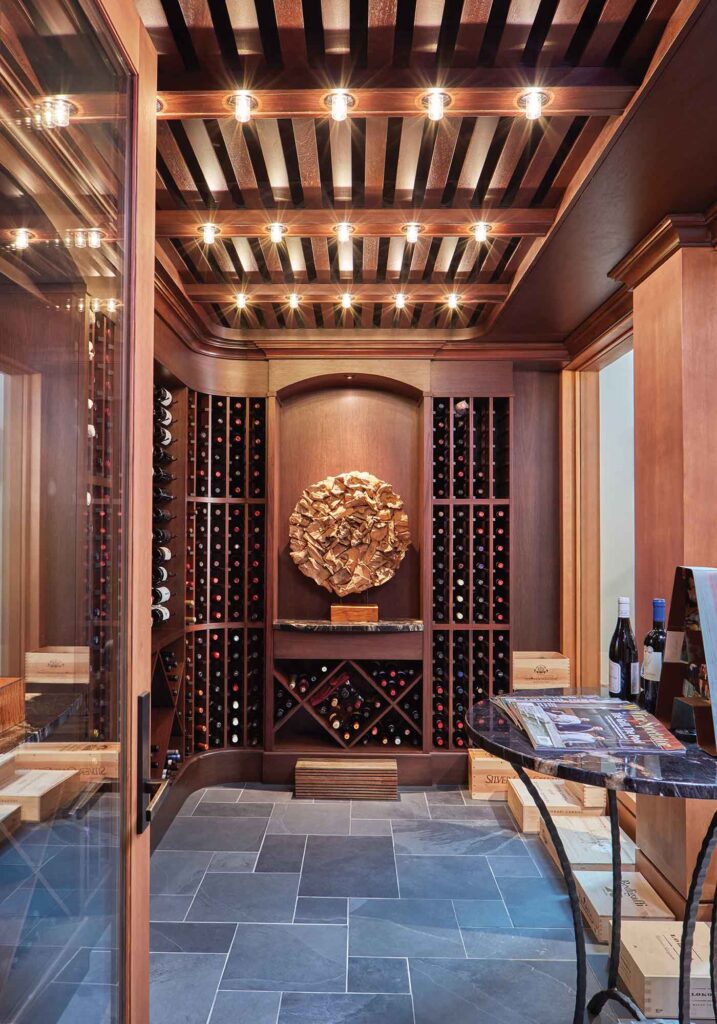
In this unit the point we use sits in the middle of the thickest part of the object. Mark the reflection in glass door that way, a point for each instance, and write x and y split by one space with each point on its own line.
64 159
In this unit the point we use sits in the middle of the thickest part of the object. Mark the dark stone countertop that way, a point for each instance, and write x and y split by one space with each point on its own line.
324 626
692 774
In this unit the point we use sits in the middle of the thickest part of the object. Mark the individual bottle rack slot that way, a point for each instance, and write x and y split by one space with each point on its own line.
460 683
255 586
255 687
501 564
501 661
217 675
202 452
199 671
235 688
441 560
347 704
218 457
217 563
460 565
165 505
441 448
257 448
441 690
461 447
501 447
189 694
481 447
237 448
236 541
481 563
480 674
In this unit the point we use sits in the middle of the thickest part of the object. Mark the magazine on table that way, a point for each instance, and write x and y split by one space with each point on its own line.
588 723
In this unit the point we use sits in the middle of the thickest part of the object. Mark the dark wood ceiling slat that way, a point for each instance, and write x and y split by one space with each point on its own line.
375 162
176 164
240 160
471 32
308 160
290 27
181 36
449 132
579 150
634 51
381 25
556 129
427 21
518 26
403 32
604 34
419 258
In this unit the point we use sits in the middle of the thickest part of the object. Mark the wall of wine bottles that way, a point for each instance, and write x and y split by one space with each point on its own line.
225 572
470 646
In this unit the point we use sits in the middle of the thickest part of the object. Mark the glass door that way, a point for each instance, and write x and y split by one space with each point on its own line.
68 755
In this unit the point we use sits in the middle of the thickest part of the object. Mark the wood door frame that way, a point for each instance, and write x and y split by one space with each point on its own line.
580 597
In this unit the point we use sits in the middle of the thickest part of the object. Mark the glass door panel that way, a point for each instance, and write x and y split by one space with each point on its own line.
65 155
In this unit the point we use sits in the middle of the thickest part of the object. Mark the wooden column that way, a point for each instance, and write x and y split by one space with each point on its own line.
673 275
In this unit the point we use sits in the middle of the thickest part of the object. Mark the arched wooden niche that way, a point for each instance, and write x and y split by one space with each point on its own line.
335 423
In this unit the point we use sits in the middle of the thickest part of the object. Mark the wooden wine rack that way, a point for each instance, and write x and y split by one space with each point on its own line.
470 515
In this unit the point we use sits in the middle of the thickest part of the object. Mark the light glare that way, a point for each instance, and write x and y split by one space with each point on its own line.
346 300
435 105
339 104
242 107
209 233
480 231
452 301
22 238
400 301
276 232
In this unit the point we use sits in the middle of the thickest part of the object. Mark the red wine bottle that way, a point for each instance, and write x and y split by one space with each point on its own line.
624 666
653 649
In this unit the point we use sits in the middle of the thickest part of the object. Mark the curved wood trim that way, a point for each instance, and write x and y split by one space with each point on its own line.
372 381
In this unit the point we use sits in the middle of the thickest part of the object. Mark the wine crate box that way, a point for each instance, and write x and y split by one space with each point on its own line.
650 967
535 670
639 900
39 793
7 767
93 762
627 813
670 833
12 702
51 668
588 844
10 820
667 892
488 775
558 800
343 613
593 798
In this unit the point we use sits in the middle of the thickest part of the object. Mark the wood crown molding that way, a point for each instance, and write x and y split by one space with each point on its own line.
676 231
604 335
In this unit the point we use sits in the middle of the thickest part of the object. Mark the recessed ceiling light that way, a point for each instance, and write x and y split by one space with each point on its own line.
294 300
346 300
54 112
412 231
532 102
276 232
21 238
240 300
339 102
435 101
94 238
480 231
112 305
452 301
344 230
80 238
243 103
209 233
400 300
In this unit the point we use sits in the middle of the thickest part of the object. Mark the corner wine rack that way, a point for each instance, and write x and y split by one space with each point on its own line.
470 646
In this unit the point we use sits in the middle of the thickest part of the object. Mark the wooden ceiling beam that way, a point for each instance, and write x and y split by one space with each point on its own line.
331 293
311 223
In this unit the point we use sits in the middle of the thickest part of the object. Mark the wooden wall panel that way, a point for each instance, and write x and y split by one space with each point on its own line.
210 374
335 431
535 531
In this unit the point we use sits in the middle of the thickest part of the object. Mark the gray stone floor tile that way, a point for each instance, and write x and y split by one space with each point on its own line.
308 1008
370 827
281 854
408 806
488 814
444 797
298 818
183 986
209 809
245 1008
287 958
482 914
519 943
349 866
321 910
69 1004
536 902
453 837
405 927
446 877
190 803
378 974
222 795
511 867
90 967
229 861
222 834
169 908
177 873
237 896
190 938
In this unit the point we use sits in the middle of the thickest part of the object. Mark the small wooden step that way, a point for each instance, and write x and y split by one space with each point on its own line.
39 793
10 819
346 779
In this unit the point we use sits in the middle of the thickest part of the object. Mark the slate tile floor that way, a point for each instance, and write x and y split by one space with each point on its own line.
268 910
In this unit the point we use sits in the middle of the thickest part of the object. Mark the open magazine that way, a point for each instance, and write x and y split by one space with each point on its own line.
588 724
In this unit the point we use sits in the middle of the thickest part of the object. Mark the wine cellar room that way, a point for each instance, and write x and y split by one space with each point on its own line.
357 368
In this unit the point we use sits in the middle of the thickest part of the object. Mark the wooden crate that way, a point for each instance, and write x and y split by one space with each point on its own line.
669 831
10 820
93 762
639 900
39 793
339 779
593 798
556 797
55 667
12 702
627 813
488 776
650 967
354 613
588 844
533 670
667 892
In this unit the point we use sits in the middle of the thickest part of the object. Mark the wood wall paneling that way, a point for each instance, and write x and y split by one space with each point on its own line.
211 375
535 534
460 377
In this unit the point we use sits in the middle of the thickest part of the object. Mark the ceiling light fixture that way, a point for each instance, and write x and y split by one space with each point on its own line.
452 301
277 232
294 300
344 230
94 238
412 231
209 233
339 103
241 300
243 103
21 238
532 102
435 101
80 238
480 231
54 112
112 305
400 301
346 300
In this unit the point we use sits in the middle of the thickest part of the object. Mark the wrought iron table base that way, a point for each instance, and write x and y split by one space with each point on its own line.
612 993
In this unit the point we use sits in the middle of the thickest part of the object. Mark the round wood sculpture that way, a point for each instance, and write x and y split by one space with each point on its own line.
349 532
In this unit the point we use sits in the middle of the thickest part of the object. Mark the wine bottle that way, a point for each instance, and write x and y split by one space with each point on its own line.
160 613
653 649
624 666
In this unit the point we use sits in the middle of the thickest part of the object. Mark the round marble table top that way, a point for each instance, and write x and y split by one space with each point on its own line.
692 774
